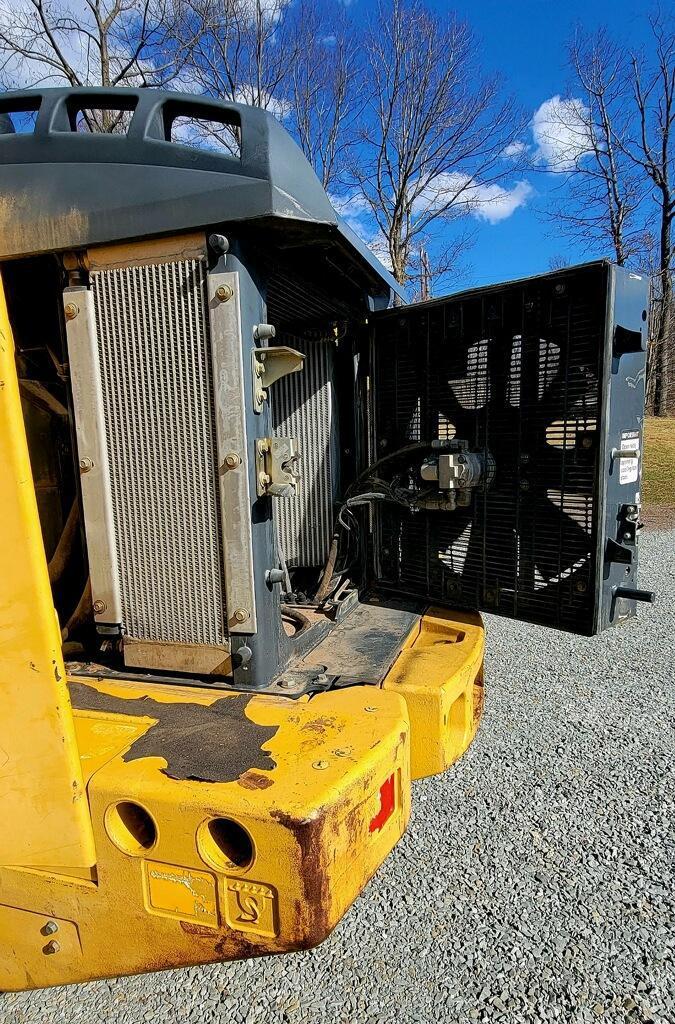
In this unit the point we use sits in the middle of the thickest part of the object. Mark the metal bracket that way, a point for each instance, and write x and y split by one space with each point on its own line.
270 365
276 472
230 397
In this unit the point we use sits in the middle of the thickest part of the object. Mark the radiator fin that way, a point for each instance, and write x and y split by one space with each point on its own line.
303 407
153 338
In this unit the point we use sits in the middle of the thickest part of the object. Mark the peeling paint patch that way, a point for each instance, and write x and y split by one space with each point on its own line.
203 743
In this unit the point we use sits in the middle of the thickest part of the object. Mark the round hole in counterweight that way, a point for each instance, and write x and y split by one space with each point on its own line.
226 844
130 827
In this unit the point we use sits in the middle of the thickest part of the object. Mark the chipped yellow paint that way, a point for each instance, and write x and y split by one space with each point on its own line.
172 902
439 674
45 819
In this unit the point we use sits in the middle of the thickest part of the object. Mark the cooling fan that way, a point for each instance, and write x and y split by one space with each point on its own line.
516 374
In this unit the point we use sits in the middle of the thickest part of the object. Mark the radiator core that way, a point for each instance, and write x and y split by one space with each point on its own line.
303 406
154 352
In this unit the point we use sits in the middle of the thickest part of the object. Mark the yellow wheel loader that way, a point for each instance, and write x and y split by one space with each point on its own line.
250 513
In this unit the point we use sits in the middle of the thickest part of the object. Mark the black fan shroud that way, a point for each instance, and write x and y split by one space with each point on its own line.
516 372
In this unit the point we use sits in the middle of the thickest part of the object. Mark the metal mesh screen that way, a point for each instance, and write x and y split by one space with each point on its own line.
154 350
515 371
303 407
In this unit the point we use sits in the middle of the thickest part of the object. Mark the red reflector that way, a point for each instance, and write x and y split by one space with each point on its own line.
387 804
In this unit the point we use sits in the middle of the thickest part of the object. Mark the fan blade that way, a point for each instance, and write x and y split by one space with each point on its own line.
558 541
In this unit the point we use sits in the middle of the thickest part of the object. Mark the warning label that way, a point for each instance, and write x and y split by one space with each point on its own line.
629 470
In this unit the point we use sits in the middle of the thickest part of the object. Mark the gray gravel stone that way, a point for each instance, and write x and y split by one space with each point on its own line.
535 882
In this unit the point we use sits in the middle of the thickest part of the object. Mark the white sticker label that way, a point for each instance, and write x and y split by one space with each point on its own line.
629 469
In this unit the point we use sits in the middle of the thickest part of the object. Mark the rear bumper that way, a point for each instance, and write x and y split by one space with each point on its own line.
308 798
313 794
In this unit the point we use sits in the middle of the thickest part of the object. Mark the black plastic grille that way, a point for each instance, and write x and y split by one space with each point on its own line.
515 371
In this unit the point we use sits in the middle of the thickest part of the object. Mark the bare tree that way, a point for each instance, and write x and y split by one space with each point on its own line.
616 150
322 89
434 127
293 59
95 42
601 191
239 50
653 152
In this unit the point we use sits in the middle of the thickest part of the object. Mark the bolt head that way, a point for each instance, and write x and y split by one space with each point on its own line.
232 460
285 684
241 614
50 928
224 293
86 464
219 243
71 310
51 947
99 606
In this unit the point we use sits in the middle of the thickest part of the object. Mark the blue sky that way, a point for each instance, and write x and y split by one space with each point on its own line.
525 43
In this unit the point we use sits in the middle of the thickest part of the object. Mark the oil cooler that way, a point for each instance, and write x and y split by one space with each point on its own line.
140 349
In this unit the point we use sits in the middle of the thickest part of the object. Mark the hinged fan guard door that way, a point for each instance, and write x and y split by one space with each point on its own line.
531 377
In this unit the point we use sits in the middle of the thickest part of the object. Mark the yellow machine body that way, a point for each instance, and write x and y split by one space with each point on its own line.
148 826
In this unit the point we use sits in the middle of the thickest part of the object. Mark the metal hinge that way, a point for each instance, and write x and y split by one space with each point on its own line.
276 470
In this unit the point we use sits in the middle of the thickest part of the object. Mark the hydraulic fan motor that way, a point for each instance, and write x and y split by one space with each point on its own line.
457 473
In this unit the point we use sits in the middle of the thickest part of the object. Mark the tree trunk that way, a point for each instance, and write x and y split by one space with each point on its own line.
663 341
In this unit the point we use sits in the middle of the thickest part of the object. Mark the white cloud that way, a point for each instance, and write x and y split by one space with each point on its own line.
489 202
494 203
560 132
515 149
355 210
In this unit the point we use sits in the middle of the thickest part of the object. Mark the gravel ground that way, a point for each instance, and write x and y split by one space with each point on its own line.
535 882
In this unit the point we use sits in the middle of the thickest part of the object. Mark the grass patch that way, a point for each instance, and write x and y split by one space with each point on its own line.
658 469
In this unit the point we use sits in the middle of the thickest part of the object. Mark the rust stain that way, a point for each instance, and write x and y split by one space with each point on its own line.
204 743
319 725
314 874
252 780
228 945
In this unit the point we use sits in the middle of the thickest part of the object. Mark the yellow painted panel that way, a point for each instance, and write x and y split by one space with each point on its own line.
51 941
43 806
321 788
439 674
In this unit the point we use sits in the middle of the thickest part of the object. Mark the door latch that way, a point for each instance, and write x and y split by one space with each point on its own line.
276 466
